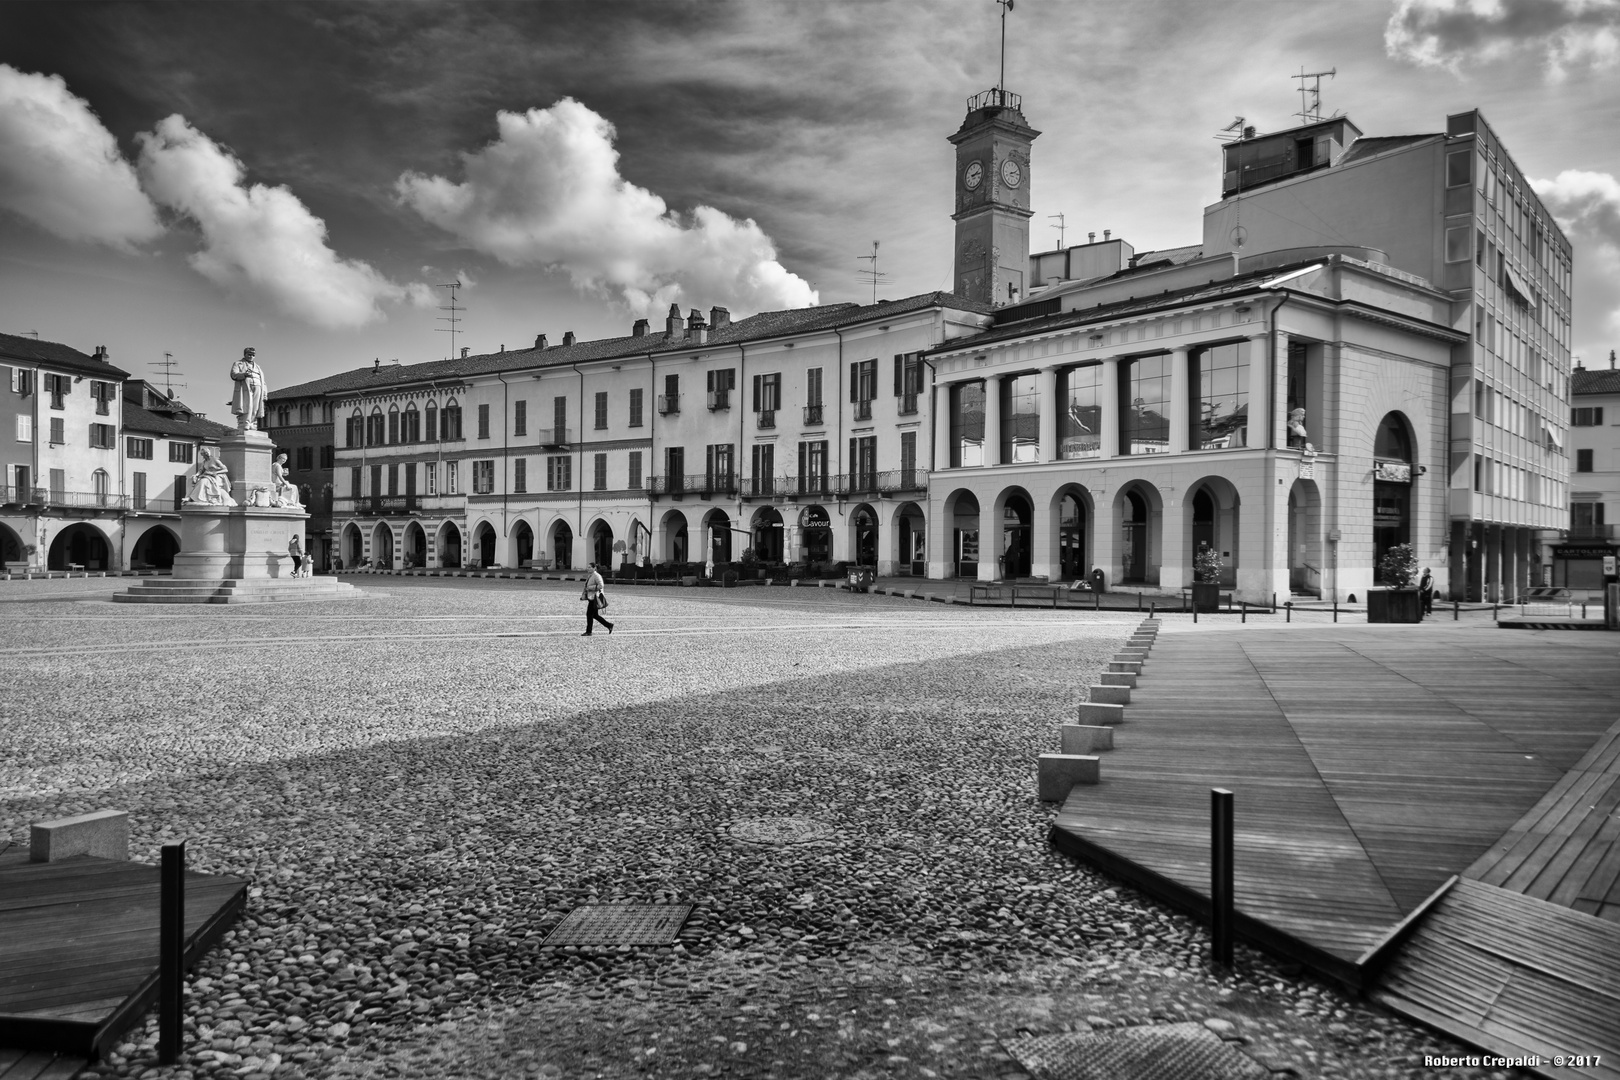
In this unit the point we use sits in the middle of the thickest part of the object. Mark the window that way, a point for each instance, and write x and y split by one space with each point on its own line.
376 480
57 386
21 381
520 476
376 428
354 481
1220 406
58 431
1021 418
139 449
393 480
967 424
599 473
410 425
863 380
137 494
1586 417
520 418
430 421
674 468
25 430
450 478
1459 168
181 451
328 454
328 412
768 392
1586 521
601 410
102 393
863 464
1144 424
430 477
559 473
1583 461
306 413
908 456
353 430
559 419
635 407
483 477
1079 421
180 491
764 466
98 484
483 422
1459 240
721 383
58 484
670 401
635 470
304 458
450 422
717 468
812 387
813 466
283 415
410 479
393 425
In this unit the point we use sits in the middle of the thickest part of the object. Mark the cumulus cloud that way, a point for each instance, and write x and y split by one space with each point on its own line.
260 239
548 192
1587 207
1451 33
62 170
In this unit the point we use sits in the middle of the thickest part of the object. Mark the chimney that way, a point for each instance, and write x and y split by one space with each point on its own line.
568 338
638 330
719 319
1091 238
695 328
464 351
1248 132
539 341
376 363
1106 234
101 354
672 322
1611 359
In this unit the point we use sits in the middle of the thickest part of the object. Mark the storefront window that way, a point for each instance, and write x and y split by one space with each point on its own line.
1080 421
1144 424
967 425
1220 417
1021 418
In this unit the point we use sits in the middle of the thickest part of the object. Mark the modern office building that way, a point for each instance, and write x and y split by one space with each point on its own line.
1594 497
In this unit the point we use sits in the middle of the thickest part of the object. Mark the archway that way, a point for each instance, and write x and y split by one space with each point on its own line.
635 543
864 524
562 546
602 545
1017 520
484 541
382 546
717 527
523 543
154 550
1305 538
449 545
415 545
353 548
78 545
962 511
11 546
676 545
769 535
1214 524
1138 508
815 526
1392 489
1073 520
911 540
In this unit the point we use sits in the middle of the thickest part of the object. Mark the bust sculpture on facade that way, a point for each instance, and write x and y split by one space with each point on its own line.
210 480
1297 436
247 400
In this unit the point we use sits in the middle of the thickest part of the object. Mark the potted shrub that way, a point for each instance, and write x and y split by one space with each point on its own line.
1206 589
748 565
730 578
1398 600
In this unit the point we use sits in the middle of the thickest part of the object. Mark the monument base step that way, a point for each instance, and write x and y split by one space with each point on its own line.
236 591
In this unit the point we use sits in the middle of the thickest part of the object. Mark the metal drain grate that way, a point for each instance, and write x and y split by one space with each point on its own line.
1157 1052
780 830
620 924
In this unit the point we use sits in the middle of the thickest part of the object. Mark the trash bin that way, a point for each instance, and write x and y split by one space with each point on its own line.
1099 580
861 577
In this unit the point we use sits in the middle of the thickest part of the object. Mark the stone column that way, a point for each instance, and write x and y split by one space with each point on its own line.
1110 408
1050 408
1181 391
1175 563
1260 391
1103 544
992 420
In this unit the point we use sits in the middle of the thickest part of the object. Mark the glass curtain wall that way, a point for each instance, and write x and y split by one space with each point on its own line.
1080 418
967 425
1144 408
1021 418
1220 418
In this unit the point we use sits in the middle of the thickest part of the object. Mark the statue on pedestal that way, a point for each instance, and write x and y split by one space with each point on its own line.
247 400
282 491
210 480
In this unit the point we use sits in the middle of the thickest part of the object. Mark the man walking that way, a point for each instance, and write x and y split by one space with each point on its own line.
595 601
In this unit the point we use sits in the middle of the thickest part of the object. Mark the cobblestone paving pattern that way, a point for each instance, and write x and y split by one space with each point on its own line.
422 783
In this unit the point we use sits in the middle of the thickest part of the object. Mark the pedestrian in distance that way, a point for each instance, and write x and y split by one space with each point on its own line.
296 549
1426 591
595 601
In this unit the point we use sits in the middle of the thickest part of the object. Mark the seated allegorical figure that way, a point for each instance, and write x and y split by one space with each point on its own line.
283 492
210 480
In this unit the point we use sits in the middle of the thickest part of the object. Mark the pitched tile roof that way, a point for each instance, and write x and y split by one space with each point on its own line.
1594 381
138 419
761 327
54 354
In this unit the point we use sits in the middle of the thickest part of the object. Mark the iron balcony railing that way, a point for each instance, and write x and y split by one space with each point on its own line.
908 404
80 500
718 400
812 415
694 484
554 436
669 403
863 409
382 505
809 485
767 418
764 487
995 98
884 482
1590 532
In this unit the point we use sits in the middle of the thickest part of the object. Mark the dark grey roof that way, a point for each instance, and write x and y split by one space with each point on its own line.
1372 145
54 354
138 419
761 327
1594 381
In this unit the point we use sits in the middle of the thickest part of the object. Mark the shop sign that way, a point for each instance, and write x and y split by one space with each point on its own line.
814 517
1608 565
1392 472
1583 551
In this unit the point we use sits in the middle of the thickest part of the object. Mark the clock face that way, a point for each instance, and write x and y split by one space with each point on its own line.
972 175
1011 174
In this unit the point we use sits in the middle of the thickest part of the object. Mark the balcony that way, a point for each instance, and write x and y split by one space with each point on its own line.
887 482
813 416
554 436
669 404
856 483
908 404
1588 531
765 487
863 409
718 401
396 505
766 418
75 500
701 484
810 485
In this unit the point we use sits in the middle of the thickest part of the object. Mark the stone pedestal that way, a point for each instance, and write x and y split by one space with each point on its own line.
243 542
246 455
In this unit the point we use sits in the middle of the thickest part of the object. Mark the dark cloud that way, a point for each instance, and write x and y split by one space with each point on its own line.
1452 33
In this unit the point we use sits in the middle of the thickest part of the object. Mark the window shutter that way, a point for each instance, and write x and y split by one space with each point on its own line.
756 393
709 376
899 374
854 379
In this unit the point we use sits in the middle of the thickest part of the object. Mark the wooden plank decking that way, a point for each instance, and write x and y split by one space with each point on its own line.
79 947
39 1065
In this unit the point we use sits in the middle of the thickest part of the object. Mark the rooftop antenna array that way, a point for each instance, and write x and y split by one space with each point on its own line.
873 272
1237 131
1232 132
1001 83
168 364
1059 227
454 318
1310 97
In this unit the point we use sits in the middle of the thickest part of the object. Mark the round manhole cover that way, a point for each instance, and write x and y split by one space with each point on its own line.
780 830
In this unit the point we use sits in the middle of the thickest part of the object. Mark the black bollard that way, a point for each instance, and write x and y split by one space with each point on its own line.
1153 610
1455 608
1335 609
171 951
1288 612
1220 875
1245 611
1139 604
1096 601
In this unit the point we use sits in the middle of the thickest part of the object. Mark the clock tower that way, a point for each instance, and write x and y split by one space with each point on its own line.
992 198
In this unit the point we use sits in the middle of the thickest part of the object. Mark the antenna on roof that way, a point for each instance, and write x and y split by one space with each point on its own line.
453 318
1001 83
1310 97
872 273
1233 131
168 365
30 333
1059 227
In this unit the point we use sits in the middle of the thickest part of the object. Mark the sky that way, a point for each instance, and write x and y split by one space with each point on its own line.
195 178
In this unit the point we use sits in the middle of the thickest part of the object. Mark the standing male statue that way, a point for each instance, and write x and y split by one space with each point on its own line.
247 400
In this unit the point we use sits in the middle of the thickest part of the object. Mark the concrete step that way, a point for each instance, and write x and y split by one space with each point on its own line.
236 591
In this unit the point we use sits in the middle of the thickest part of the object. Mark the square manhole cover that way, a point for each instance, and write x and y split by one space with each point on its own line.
1155 1052
620 924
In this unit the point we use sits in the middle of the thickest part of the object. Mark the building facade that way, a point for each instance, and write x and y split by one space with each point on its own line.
302 421
159 444
1594 498
62 503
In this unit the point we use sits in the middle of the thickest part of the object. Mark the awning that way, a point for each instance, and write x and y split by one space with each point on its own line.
1553 439
1516 284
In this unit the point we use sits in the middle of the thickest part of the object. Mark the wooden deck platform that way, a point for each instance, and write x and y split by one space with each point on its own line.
79 947
1371 766
39 1065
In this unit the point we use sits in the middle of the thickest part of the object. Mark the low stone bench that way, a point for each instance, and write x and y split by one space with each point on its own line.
1118 678
1094 712
1110 695
104 834
1086 739
1057 773
1132 666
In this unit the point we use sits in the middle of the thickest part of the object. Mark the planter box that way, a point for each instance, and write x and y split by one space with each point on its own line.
1206 596
1394 606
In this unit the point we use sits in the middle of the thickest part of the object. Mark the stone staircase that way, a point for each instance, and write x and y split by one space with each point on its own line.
236 591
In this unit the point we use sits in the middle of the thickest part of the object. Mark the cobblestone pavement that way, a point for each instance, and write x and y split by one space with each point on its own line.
421 784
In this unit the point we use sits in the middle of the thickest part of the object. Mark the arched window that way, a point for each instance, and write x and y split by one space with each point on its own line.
306 413
431 421
410 430
1394 442
353 432
450 421
376 427
393 425
100 479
